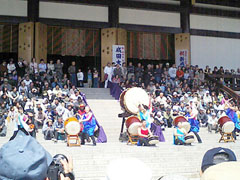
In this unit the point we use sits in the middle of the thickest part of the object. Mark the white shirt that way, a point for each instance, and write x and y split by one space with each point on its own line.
212 120
162 100
172 72
80 76
108 70
207 99
27 82
34 67
11 68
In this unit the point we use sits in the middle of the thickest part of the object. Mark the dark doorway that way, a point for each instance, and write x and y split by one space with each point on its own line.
84 63
7 56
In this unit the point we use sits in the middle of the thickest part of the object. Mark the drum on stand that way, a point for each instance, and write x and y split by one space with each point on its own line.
189 138
185 124
153 140
131 98
132 124
226 124
72 126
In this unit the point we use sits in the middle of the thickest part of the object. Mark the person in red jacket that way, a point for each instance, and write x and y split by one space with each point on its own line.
180 73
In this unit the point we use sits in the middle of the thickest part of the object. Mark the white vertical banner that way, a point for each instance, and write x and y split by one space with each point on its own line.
118 55
182 57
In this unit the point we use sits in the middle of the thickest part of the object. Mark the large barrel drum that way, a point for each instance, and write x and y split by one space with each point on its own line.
184 121
226 124
132 124
72 126
131 98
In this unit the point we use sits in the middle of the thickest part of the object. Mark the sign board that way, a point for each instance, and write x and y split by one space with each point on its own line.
182 57
118 54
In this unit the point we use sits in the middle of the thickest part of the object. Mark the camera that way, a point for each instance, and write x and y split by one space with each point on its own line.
56 167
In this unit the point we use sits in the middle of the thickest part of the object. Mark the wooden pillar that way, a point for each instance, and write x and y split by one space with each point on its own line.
25 41
185 15
110 37
40 42
182 43
33 10
113 13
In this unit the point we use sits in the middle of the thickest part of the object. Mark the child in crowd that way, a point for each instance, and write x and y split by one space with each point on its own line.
80 77
89 76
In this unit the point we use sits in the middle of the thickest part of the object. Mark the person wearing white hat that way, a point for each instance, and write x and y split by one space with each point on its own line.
213 123
222 171
207 98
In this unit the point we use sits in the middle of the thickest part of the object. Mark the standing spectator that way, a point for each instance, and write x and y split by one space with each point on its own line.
158 73
80 77
95 79
72 73
33 66
89 76
131 70
58 69
20 68
139 71
117 71
180 73
42 67
11 67
107 74
51 68
124 71
3 68
172 71
201 75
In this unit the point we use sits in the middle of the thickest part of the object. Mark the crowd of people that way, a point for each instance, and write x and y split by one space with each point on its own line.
176 91
41 97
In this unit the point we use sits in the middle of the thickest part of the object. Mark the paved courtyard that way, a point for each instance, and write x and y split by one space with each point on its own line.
90 162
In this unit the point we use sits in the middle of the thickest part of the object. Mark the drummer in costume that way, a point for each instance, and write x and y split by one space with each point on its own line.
192 119
145 114
20 123
89 123
81 110
231 113
179 135
143 133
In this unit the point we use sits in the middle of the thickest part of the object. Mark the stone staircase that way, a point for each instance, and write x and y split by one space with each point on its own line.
90 162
